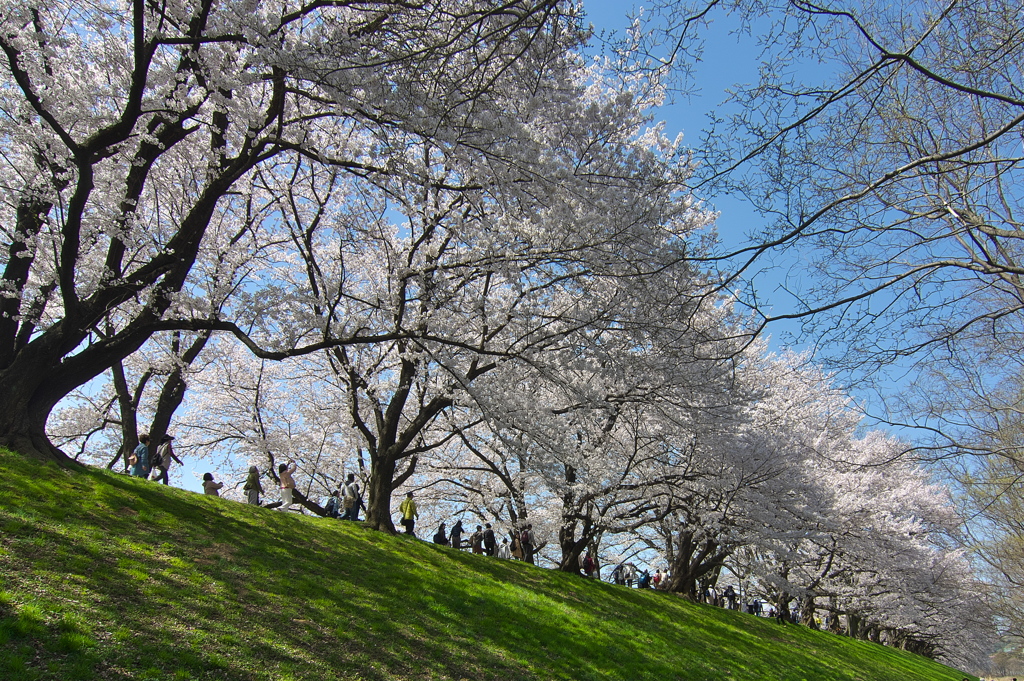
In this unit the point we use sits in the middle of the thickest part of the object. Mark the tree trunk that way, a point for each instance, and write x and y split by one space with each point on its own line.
807 612
24 408
571 547
379 486
691 561
853 626
782 607
128 407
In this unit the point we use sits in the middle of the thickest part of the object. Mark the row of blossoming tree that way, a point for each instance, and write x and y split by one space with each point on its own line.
432 244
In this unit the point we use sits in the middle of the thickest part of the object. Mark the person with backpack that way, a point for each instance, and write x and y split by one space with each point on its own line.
588 565
351 498
617 575
156 464
253 489
139 459
162 460
629 574
441 536
730 597
490 543
331 507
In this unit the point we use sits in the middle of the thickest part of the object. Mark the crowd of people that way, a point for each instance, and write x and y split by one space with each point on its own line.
156 466
484 541
345 502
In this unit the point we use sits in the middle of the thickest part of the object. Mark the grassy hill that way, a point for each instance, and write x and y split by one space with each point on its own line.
107 577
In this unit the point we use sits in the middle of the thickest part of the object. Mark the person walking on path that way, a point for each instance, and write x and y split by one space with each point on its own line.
409 514
285 471
139 459
351 498
253 489
162 460
490 543
210 487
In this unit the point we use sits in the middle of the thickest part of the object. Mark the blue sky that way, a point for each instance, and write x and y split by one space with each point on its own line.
732 57
729 57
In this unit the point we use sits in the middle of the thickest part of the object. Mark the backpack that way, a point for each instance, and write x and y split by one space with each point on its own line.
524 538
332 507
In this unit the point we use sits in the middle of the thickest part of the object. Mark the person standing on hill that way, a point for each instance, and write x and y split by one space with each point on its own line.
457 531
331 507
730 597
139 459
629 574
527 541
441 536
617 575
351 498
409 514
210 487
285 471
504 551
476 540
516 545
490 543
162 460
253 489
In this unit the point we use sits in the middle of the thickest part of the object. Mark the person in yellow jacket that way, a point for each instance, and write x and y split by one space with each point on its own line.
409 513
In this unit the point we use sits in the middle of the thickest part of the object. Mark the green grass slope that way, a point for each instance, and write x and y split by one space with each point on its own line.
107 577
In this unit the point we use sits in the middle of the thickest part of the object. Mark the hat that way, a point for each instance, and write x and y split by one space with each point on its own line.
166 438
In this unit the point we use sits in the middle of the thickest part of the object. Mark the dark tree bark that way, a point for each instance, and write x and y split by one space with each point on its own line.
692 560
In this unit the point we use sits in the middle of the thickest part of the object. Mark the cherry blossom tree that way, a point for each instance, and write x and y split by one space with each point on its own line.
446 272
126 160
